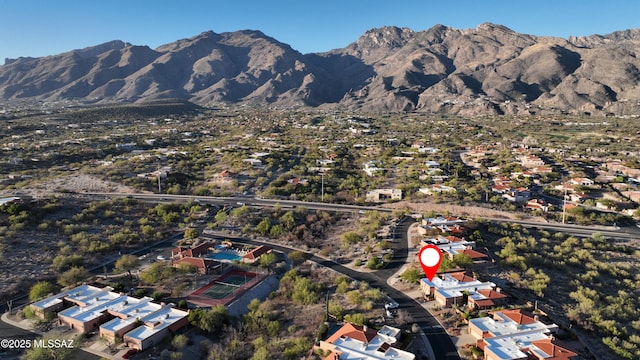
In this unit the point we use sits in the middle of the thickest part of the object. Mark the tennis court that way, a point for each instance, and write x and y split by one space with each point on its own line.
224 288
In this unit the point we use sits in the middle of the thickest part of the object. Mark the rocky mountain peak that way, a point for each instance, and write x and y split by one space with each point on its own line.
388 37
489 69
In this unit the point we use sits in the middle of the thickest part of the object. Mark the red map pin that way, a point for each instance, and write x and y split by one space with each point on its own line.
430 257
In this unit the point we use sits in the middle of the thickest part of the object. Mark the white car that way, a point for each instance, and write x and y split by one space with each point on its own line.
161 257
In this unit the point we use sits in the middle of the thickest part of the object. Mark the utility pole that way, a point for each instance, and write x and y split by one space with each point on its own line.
159 184
322 187
564 205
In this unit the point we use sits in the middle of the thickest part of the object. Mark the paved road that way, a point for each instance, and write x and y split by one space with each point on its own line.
626 233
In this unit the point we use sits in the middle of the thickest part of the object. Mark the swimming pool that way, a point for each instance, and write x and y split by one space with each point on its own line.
225 256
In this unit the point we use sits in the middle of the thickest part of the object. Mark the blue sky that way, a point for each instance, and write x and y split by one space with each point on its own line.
47 27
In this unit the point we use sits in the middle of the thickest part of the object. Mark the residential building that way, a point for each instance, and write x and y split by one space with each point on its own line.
449 290
512 335
195 251
379 195
531 161
537 204
582 181
156 326
255 254
202 265
517 195
140 322
363 343
371 168
224 177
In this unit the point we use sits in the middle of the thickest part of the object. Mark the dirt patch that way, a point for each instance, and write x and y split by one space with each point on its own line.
461 210
75 183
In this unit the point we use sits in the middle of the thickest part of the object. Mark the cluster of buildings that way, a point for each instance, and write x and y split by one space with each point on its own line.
204 256
139 322
452 244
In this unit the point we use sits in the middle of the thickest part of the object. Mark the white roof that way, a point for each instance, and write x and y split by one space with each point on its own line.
505 326
352 349
81 291
156 321
135 309
450 287
509 337
95 306
508 348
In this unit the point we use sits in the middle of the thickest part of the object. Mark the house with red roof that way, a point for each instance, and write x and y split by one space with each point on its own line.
201 264
254 255
361 342
513 335
195 251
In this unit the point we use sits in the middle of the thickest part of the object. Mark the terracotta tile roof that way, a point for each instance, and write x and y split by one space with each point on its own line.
554 351
357 332
484 303
257 252
492 294
518 317
473 254
462 277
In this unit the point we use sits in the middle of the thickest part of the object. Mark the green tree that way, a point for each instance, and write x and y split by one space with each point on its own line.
263 227
412 275
73 276
191 233
355 318
210 320
297 257
180 341
126 263
268 259
40 290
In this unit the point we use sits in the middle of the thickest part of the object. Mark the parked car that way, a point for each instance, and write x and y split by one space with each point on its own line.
161 257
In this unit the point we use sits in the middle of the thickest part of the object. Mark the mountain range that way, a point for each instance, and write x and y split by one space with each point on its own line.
486 70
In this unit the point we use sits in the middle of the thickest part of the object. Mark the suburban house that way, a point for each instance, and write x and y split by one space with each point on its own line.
517 195
253 162
486 299
360 342
378 195
462 290
582 181
512 335
298 181
224 177
537 204
531 161
371 168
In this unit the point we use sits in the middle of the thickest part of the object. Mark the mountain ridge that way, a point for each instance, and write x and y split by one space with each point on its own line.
486 70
